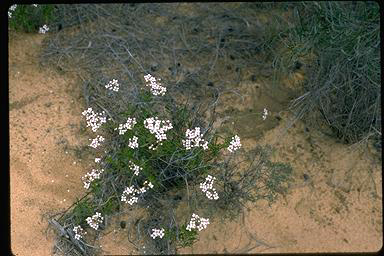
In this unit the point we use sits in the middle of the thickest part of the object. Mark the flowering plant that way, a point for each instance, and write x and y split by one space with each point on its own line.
146 155
31 18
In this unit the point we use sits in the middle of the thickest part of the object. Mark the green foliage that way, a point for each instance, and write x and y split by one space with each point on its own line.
183 238
156 163
28 18
81 211
110 206
95 187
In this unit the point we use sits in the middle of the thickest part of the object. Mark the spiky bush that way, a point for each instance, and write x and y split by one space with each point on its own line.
338 45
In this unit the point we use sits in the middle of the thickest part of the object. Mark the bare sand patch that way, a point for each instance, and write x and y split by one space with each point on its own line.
45 173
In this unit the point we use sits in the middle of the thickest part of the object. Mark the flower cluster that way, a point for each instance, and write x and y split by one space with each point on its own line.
135 193
157 233
12 8
132 142
44 29
234 144
146 185
208 189
113 85
265 113
79 232
157 127
202 223
96 141
135 168
95 220
194 139
95 120
91 176
127 126
156 88
127 191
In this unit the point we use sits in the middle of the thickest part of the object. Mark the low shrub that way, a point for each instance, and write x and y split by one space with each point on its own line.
338 45
154 156
30 18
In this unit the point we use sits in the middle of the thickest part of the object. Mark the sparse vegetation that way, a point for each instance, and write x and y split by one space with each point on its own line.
137 169
338 45
153 168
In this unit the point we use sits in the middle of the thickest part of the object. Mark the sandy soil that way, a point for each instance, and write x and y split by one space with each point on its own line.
49 152
45 172
334 204
335 201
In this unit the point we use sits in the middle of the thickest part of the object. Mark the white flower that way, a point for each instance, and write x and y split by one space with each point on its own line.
134 193
133 200
265 113
194 139
154 147
157 233
156 88
135 168
95 220
113 85
132 142
91 176
129 190
234 144
44 29
95 120
79 232
96 141
147 185
34 5
207 188
127 126
202 223
97 159
158 128
12 8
